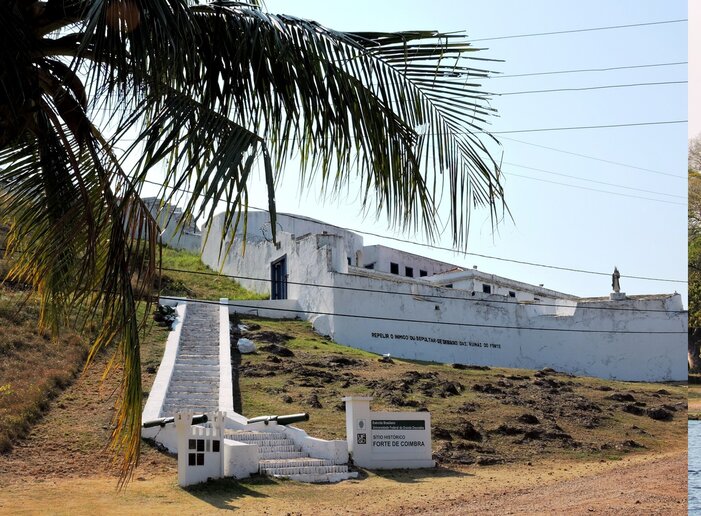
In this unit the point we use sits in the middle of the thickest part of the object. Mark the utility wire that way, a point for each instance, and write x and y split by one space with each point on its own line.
584 88
439 248
439 323
541 129
412 294
428 296
584 70
593 181
589 29
652 171
512 174
571 128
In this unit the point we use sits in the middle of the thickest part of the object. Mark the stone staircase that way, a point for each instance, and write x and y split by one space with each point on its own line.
194 384
280 457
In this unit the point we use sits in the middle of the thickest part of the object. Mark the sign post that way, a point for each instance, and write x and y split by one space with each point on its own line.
387 440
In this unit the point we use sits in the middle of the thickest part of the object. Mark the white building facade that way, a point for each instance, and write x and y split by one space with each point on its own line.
388 301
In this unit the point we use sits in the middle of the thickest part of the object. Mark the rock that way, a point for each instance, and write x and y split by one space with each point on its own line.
630 443
660 414
441 433
270 336
489 461
504 429
313 401
151 369
533 434
487 388
343 362
468 366
278 350
274 359
451 389
529 419
604 388
287 398
633 409
386 360
663 391
246 346
467 430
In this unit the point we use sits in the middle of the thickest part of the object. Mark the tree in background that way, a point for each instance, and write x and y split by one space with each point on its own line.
200 92
694 227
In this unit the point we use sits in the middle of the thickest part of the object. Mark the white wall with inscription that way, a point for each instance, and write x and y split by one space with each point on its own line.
639 338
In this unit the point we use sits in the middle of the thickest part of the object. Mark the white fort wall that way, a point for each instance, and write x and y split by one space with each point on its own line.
473 330
387 313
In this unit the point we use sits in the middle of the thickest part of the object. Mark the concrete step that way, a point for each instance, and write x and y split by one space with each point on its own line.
191 389
278 455
303 470
328 478
280 448
296 463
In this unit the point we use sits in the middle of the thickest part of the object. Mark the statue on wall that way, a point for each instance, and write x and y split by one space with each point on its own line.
615 284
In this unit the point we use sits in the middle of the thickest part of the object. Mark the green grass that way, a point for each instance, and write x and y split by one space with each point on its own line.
285 387
194 285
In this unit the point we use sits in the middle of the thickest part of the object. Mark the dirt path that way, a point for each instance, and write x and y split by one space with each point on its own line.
642 484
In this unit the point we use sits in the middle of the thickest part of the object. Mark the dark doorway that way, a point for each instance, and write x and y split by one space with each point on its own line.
278 278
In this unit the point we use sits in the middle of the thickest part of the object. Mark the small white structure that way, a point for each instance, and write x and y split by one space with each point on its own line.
387 440
176 231
388 301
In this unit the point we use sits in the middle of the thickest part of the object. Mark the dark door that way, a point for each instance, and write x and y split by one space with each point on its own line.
278 278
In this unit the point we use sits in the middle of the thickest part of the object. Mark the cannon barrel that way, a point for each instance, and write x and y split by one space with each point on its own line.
163 421
280 420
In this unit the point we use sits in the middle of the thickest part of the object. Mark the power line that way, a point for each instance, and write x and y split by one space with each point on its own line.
439 248
593 181
412 294
541 129
652 171
571 31
439 323
608 86
431 296
584 70
512 174
572 128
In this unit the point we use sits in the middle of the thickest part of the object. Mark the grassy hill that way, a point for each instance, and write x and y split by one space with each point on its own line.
34 368
479 415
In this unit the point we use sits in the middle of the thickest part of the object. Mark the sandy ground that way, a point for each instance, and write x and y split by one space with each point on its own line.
640 484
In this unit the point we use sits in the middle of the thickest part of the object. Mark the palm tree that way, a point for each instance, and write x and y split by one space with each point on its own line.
200 92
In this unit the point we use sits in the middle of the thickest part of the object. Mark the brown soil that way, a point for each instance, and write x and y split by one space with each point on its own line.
63 467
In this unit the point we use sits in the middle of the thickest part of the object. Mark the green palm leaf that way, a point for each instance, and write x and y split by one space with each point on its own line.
204 91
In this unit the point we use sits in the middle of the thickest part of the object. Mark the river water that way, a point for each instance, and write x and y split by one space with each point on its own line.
694 467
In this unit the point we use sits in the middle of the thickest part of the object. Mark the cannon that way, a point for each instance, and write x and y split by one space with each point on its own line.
281 420
163 421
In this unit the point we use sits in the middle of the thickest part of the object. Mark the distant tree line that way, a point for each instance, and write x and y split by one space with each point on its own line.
694 228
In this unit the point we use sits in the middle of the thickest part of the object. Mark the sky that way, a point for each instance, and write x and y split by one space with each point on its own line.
587 199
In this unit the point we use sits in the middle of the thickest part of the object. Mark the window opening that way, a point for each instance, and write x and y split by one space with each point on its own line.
394 268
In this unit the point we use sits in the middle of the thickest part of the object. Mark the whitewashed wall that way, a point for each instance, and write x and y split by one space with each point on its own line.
472 329
419 334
